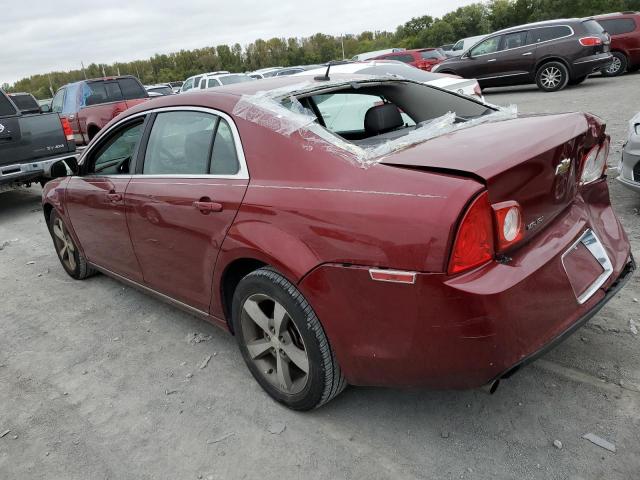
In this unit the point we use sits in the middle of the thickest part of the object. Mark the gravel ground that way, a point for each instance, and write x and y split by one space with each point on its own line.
99 381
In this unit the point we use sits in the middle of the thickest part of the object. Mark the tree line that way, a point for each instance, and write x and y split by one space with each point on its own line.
425 31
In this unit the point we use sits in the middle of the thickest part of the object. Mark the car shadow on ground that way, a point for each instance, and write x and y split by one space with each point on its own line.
18 200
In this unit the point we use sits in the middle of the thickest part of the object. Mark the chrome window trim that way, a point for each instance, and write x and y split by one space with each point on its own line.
243 172
590 240
523 46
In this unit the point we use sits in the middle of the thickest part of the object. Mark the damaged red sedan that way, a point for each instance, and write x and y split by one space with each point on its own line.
351 230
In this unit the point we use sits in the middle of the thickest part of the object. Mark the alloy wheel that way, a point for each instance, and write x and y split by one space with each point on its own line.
274 344
551 77
615 66
64 244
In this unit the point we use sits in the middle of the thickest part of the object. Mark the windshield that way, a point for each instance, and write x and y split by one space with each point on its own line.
229 79
432 55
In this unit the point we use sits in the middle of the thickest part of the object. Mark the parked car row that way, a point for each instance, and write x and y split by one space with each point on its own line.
551 54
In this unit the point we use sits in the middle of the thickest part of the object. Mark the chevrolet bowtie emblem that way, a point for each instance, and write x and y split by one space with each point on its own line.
563 167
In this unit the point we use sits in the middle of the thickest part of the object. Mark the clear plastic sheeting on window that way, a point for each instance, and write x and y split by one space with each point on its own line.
280 111
277 110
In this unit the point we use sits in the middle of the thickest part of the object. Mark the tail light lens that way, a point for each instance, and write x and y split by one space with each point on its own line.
477 90
590 41
473 244
66 128
594 163
509 225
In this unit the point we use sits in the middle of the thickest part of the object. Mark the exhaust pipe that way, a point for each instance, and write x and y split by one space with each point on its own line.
491 387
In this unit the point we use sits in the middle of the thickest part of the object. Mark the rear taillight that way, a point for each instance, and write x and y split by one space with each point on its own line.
594 163
477 90
590 41
66 128
473 244
509 226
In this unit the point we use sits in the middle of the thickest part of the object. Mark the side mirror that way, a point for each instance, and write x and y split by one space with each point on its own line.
45 108
66 167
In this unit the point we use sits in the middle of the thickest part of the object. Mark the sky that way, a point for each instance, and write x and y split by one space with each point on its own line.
47 35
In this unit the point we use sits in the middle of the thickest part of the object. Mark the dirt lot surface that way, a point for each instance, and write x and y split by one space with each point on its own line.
99 381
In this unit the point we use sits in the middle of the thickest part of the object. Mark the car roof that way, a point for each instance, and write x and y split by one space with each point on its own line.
615 15
545 23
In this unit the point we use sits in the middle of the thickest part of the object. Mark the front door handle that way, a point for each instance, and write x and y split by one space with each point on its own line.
492 60
528 53
206 206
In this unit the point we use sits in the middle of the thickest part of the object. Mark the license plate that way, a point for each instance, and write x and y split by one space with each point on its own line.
587 266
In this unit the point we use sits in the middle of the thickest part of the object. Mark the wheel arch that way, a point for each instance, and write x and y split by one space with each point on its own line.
552 59
235 271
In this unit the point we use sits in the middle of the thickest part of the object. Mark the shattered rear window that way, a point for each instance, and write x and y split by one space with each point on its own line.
282 111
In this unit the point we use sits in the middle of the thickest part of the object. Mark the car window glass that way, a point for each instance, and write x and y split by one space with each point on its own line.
131 89
345 112
432 55
458 46
25 102
490 45
514 40
545 34
225 158
592 27
6 108
180 143
71 98
402 58
56 103
618 26
95 93
212 82
187 85
229 79
114 158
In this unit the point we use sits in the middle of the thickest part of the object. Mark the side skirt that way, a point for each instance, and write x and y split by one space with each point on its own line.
165 298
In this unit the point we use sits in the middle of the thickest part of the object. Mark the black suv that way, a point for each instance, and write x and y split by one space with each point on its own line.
551 54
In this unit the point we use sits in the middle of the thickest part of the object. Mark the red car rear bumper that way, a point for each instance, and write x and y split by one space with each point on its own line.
465 331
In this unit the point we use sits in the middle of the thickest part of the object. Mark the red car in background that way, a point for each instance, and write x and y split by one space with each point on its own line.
624 29
89 105
430 240
422 58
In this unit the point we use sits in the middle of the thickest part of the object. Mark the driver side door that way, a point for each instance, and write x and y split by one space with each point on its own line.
95 200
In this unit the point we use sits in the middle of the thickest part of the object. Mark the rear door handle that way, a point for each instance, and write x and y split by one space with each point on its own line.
114 197
207 206
492 60
528 53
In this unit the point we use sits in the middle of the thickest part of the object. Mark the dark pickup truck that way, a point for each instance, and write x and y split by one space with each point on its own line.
30 144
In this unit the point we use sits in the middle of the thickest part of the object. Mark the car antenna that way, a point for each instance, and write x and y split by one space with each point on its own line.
324 78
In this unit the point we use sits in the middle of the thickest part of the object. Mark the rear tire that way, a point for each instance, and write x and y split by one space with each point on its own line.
552 76
280 337
618 65
72 259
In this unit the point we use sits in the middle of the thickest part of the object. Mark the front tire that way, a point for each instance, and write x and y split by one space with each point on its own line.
618 65
552 76
72 259
283 343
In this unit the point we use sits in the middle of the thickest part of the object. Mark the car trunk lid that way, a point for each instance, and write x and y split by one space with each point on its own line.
534 160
